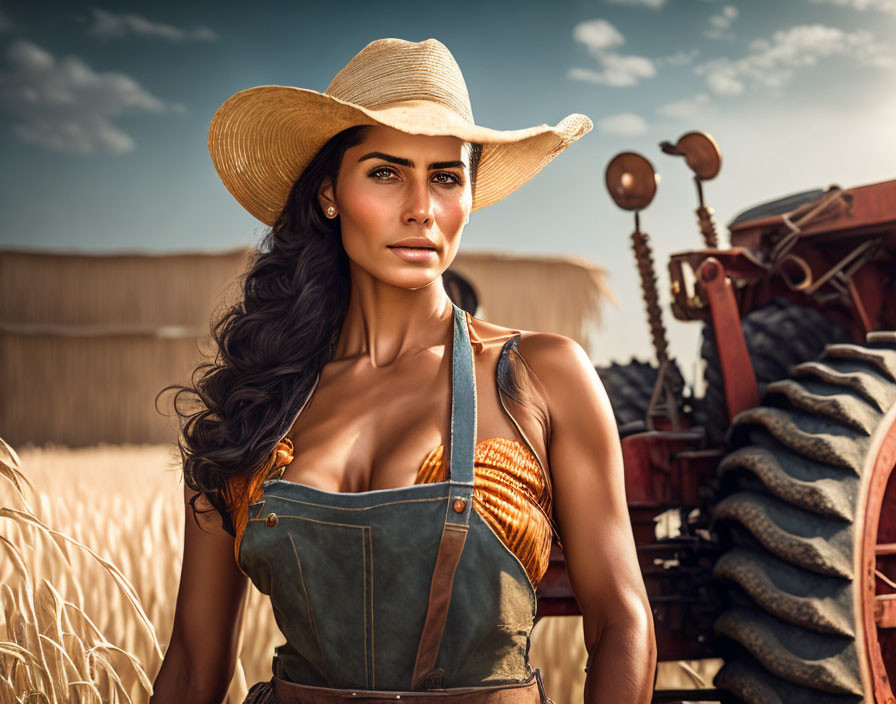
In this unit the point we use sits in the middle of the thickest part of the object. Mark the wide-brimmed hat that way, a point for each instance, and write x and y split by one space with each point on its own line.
262 138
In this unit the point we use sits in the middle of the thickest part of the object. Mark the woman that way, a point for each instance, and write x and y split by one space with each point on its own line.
332 459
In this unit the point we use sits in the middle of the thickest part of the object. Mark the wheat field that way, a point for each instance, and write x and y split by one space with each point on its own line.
88 586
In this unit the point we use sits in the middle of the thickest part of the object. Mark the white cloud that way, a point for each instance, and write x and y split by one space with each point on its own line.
774 62
597 35
723 76
720 23
625 124
66 106
110 25
688 109
618 71
679 58
600 38
652 4
862 5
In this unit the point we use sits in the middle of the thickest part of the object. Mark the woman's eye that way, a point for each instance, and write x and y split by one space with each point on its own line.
381 170
451 177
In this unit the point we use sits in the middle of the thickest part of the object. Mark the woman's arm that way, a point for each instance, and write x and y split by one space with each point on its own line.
201 655
585 462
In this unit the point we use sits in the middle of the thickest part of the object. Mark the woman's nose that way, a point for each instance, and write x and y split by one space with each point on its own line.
419 207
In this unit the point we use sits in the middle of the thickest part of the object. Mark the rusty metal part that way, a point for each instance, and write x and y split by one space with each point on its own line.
631 181
705 219
689 300
707 225
668 472
793 262
741 391
839 275
644 259
885 611
833 202
879 549
857 212
664 469
838 278
703 156
700 151
665 399
857 284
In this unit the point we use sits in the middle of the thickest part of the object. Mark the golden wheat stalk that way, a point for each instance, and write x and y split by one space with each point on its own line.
119 578
53 651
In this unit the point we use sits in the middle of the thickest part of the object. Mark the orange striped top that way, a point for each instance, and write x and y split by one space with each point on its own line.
509 492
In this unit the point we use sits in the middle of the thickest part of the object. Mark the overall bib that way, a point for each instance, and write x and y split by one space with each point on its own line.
394 593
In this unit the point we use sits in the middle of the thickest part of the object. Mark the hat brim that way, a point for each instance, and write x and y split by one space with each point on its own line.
262 138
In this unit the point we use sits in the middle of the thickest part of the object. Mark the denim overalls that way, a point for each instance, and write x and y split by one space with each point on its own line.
404 591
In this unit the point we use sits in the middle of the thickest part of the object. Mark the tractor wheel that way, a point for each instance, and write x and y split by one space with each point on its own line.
630 387
809 519
778 336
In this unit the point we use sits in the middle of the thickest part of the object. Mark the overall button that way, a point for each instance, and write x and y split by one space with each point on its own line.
459 505
272 519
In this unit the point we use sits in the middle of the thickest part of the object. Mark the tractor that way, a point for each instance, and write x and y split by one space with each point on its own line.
764 511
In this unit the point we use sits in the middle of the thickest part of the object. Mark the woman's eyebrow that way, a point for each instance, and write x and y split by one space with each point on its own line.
410 164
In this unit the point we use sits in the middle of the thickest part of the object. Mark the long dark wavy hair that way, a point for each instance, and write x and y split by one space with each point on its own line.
272 344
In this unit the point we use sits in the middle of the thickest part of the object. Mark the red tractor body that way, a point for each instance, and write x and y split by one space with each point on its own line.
788 460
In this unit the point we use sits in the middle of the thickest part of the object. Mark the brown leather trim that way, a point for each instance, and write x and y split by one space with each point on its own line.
529 692
450 548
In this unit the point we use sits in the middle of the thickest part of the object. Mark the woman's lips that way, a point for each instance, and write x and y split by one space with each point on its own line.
414 254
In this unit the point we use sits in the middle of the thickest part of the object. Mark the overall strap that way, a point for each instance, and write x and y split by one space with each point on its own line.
458 509
463 413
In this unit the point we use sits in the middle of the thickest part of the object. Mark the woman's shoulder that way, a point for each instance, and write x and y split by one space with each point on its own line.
556 365
546 351
552 352
566 377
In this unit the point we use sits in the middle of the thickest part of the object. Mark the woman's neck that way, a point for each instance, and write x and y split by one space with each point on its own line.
384 322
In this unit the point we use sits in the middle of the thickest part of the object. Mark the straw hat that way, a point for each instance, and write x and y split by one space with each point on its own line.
262 138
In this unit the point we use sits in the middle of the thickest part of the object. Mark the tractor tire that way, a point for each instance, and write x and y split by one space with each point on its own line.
808 522
630 387
778 335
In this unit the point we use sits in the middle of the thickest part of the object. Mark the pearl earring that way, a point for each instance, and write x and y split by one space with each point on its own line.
331 211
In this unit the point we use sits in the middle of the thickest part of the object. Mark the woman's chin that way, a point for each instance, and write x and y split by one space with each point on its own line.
420 277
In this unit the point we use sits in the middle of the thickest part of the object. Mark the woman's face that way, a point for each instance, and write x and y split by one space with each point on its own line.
397 186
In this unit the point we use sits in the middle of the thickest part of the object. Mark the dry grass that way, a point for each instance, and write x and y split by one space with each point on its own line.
72 626
91 623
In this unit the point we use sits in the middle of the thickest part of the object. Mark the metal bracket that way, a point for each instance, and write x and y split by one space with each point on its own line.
741 391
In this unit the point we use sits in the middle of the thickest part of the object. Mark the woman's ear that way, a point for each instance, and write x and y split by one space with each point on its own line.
325 196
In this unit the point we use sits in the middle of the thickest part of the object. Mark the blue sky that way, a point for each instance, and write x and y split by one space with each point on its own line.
104 113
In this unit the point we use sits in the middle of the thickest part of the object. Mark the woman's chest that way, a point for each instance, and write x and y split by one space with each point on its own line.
362 432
